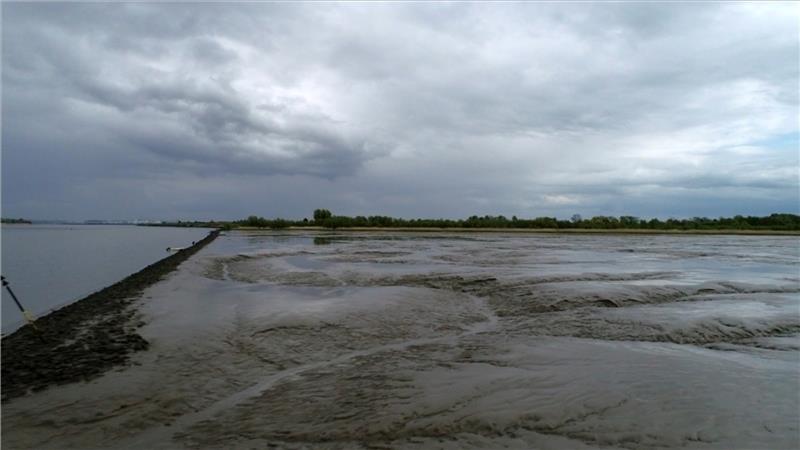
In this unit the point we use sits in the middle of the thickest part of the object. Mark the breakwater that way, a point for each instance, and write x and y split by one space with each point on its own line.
82 340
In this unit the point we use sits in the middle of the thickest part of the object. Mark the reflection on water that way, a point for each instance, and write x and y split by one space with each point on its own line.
319 240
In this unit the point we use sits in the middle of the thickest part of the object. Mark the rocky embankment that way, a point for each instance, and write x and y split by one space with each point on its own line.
86 338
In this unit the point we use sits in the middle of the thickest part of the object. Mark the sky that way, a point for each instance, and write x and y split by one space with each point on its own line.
148 111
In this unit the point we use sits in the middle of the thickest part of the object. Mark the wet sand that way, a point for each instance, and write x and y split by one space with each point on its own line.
333 340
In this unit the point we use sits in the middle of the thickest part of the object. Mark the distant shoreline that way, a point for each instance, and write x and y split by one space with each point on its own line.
536 230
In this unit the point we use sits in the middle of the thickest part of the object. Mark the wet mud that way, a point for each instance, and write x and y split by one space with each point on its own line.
86 338
286 340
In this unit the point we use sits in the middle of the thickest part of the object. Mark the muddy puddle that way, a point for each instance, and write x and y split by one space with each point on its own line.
417 340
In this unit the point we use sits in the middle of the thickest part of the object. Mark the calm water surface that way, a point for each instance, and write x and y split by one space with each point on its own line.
51 265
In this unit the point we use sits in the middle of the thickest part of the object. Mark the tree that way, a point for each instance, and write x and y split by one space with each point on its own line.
321 214
629 221
279 224
256 221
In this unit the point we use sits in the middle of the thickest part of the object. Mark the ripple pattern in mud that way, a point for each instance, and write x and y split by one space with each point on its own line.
445 341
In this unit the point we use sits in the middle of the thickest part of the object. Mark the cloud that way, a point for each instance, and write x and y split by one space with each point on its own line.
404 109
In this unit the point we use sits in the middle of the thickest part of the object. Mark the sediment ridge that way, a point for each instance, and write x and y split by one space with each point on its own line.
84 339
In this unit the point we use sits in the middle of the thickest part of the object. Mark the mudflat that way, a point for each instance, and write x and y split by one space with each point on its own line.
449 340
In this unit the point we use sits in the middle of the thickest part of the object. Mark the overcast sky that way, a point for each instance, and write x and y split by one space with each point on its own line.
201 111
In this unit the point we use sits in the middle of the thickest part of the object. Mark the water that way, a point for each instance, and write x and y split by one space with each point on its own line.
447 340
52 265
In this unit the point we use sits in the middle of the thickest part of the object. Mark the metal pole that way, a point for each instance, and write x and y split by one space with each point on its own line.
25 313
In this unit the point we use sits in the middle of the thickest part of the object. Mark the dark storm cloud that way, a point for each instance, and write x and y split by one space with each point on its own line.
184 110
438 110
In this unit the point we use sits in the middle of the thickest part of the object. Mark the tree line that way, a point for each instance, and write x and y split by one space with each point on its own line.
11 220
324 218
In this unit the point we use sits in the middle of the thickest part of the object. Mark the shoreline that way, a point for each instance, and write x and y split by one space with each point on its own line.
535 230
85 338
